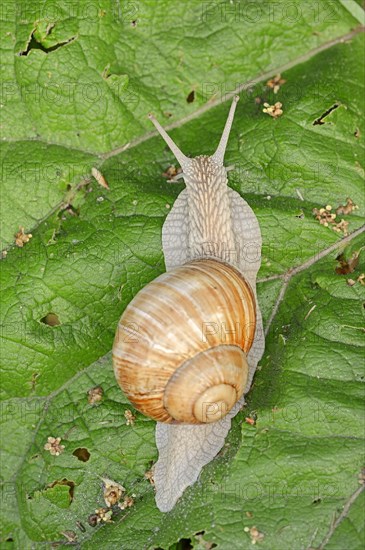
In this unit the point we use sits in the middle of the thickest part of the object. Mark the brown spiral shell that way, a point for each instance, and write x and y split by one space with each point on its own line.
180 348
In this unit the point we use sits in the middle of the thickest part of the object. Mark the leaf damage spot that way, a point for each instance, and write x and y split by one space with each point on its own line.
184 544
191 97
62 483
207 545
82 454
51 319
70 210
320 120
36 40
347 266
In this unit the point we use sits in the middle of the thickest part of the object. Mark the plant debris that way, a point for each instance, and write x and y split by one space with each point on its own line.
127 502
255 534
149 475
99 178
273 110
275 83
101 515
349 207
95 395
326 217
347 266
53 446
70 536
112 491
171 172
21 238
130 418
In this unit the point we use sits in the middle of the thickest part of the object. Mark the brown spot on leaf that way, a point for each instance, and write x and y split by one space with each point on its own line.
347 266
349 207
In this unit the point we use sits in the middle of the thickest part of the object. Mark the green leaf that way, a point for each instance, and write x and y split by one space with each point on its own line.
78 84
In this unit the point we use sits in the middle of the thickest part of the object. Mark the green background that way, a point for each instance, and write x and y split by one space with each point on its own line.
78 82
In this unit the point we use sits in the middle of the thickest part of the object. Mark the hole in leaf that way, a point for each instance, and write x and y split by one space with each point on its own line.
320 120
51 319
347 265
317 501
184 544
33 44
64 481
68 209
82 454
134 23
191 97
9 539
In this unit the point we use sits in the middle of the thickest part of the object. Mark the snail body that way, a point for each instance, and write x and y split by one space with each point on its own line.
188 344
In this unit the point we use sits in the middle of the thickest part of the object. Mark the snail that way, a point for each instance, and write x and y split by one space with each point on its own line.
187 345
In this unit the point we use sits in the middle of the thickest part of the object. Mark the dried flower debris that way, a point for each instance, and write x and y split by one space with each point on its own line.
53 446
255 534
327 217
172 172
112 492
95 395
273 110
275 83
127 502
101 515
149 475
21 238
130 418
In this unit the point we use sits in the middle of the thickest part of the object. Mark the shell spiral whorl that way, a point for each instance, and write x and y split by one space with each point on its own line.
180 348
